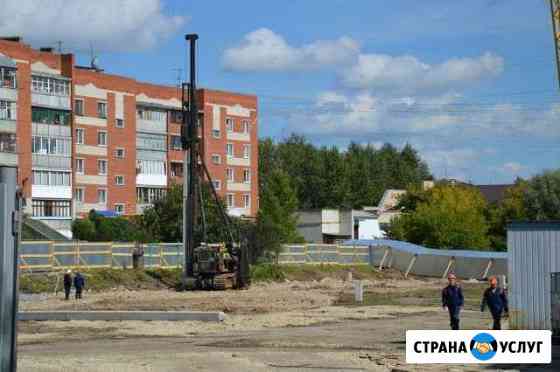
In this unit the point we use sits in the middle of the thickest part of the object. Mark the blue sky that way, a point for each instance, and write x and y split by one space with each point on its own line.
471 84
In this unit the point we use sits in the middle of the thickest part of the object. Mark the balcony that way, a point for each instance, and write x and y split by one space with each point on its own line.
241 162
151 126
8 94
239 136
51 161
238 186
50 100
8 155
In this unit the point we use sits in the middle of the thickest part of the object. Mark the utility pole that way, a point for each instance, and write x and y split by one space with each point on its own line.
9 238
190 142
555 16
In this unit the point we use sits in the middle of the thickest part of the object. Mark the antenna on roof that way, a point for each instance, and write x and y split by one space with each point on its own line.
94 60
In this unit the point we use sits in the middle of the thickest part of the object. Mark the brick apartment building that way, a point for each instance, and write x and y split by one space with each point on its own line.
84 139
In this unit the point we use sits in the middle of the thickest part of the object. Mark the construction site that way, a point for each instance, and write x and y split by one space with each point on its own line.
151 227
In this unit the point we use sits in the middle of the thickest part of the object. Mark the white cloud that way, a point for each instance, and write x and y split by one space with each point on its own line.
512 168
264 50
120 25
409 74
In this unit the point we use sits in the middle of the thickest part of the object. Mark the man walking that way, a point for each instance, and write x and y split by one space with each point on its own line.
67 284
452 299
79 284
496 299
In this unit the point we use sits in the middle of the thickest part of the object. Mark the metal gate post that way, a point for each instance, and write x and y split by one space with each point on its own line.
9 237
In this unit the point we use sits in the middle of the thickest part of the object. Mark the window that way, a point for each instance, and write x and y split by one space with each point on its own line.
246 151
47 85
119 180
8 78
245 126
216 133
177 116
229 150
102 196
79 194
7 142
119 208
175 143
148 195
102 167
176 169
119 153
50 178
217 184
50 145
51 208
50 116
152 115
80 166
102 138
229 124
246 176
79 107
229 175
79 136
8 110
246 201
216 159
102 110
230 200
119 123
151 167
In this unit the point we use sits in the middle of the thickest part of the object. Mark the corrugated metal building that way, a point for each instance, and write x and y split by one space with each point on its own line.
534 274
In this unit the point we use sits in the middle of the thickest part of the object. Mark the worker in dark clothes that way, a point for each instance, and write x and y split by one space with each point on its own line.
452 299
67 284
495 298
79 284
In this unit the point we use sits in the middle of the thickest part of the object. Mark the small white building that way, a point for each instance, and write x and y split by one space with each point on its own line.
534 275
330 225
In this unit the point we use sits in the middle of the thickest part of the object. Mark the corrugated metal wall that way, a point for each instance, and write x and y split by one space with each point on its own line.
401 256
534 255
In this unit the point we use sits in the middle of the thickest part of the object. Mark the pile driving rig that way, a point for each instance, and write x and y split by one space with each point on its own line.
214 266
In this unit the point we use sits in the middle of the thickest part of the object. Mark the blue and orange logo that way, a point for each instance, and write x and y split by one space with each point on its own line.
483 346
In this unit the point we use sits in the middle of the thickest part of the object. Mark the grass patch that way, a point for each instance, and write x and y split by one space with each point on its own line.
279 273
413 296
102 279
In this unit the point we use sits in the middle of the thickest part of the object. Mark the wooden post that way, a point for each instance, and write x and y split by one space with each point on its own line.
449 264
385 254
412 261
488 267
77 250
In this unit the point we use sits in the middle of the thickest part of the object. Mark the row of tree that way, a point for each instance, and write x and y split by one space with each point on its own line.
458 217
328 177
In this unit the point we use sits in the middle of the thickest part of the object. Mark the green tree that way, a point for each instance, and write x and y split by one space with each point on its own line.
276 220
542 198
511 208
164 219
451 217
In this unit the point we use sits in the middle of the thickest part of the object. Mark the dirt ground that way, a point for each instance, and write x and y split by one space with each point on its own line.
289 326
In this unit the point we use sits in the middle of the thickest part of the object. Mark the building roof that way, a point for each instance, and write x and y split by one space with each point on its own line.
493 193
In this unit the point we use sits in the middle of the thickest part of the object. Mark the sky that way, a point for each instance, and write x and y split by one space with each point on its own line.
472 85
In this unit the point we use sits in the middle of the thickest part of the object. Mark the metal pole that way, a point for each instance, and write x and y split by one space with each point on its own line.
554 8
9 237
191 181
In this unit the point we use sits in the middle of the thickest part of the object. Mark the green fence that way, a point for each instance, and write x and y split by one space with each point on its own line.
50 255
